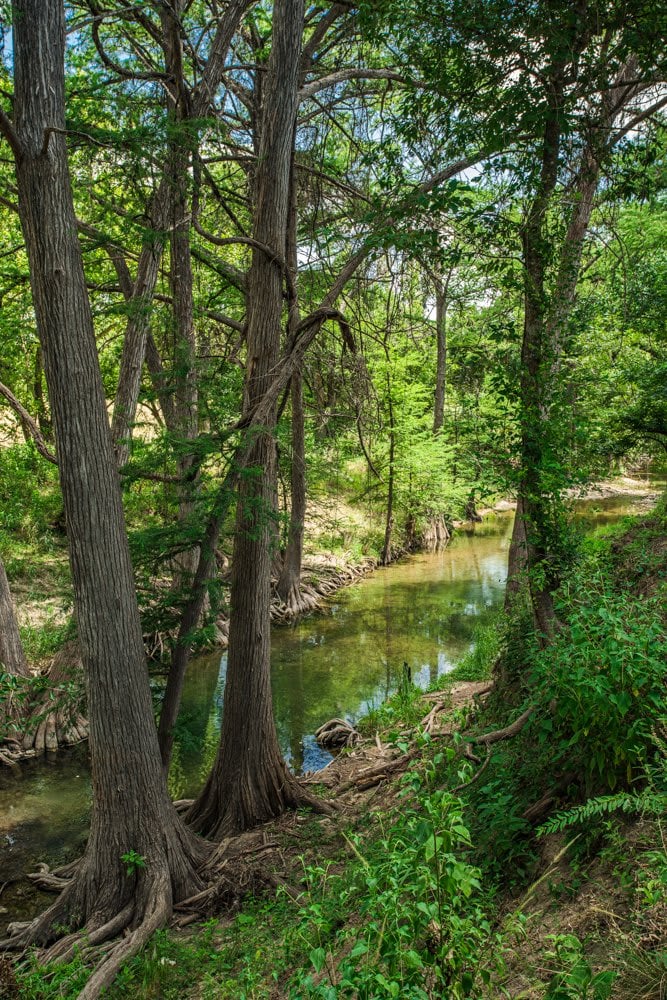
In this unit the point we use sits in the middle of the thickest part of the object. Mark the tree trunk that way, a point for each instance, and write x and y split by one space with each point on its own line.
537 531
536 385
12 657
385 558
441 363
185 389
289 582
131 809
137 329
250 782
38 392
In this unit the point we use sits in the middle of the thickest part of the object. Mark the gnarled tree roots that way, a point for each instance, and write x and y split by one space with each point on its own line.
52 718
225 873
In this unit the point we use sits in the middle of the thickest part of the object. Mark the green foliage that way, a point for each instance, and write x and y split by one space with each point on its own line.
477 663
43 640
38 697
134 862
422 921
31 503
574 978
649 800
53 982
601 681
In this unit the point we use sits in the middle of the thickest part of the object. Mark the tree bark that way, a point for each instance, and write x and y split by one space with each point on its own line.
185 388
136 330
250 781
516 560
289 582
534 539
385 558
131 808
12 656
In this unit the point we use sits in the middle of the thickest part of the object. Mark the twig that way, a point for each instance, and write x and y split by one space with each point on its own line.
475 777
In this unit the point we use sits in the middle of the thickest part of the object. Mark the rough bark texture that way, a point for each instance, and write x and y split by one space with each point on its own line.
131 808
250 781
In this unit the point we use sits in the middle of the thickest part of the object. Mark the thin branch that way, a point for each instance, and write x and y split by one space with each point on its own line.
29 423
7 129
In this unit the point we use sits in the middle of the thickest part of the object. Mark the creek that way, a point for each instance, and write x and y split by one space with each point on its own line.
342 661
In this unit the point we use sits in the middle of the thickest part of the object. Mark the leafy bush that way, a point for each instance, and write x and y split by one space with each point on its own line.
601 682
31 501
421 927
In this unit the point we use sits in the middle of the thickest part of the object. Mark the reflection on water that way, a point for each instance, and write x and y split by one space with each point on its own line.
340 662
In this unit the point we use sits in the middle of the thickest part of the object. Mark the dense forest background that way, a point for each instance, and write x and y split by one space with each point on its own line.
285 283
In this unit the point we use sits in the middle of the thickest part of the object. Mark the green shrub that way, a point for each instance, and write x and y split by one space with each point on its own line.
419 924
601 682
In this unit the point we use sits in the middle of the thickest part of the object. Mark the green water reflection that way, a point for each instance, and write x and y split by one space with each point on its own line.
421 611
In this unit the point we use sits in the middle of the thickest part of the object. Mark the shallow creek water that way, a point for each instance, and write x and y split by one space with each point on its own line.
341 661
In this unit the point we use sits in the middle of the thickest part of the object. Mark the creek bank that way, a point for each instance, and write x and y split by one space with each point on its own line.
324 574
322 869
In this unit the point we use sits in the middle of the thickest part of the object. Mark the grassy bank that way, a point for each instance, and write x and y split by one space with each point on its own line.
534 865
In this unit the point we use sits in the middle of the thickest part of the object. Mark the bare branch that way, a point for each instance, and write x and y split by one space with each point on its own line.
204 97
341 75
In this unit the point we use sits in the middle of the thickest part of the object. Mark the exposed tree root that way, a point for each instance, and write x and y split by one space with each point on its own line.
508 732
371 776
337 733
217 814
54 718
115 912
157 913
428 721
308 595
543 805
478 774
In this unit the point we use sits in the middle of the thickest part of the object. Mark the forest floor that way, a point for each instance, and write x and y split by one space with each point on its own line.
445 871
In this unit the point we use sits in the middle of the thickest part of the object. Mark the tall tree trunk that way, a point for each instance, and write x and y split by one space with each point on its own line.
250 781
545 322
185 412
136 330
535 386
289 582
441 362
516 561
131 810
389 521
